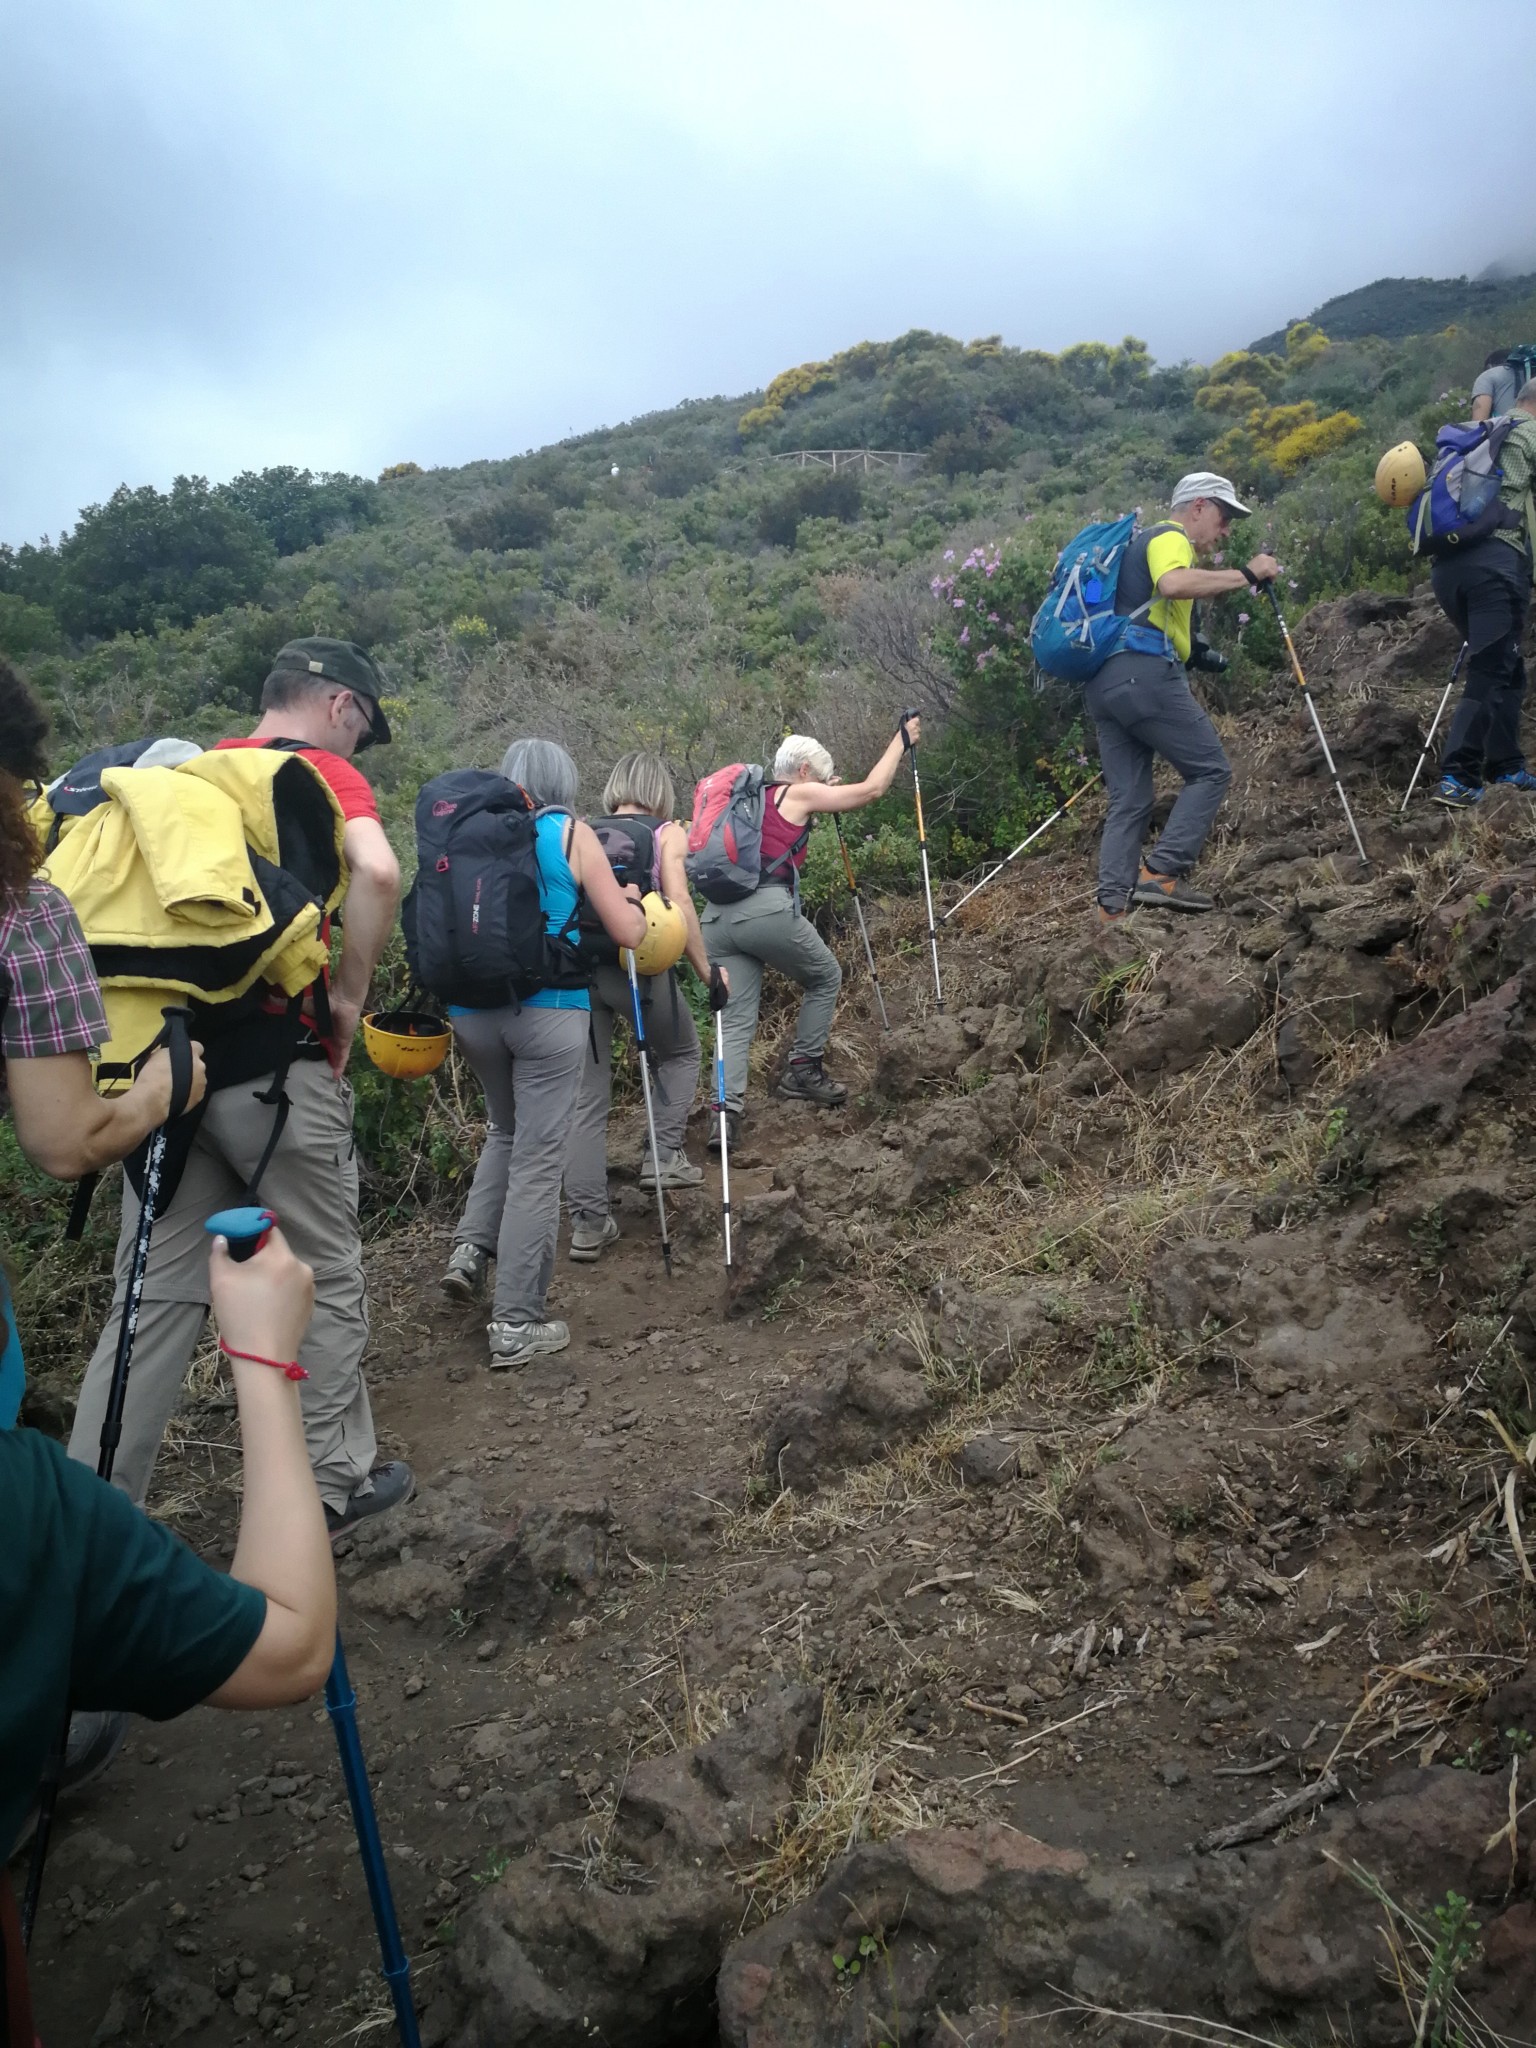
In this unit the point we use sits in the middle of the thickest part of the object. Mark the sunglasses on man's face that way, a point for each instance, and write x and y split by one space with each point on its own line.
368 711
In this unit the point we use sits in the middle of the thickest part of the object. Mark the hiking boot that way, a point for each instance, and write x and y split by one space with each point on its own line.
1172 891
732 1129
389 1485
677 1171
1105 916
465 1276
1518 778
804 1080
590 1238
1457 795
516 1343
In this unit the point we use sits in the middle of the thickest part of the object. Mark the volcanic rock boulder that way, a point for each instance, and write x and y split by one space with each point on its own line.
616 1934
1299 1325
869 1397
554 1550
962 1919
1192 1005
952 1926
774 1241
1423 1092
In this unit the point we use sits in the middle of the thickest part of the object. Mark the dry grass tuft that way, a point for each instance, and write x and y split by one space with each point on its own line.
860 1788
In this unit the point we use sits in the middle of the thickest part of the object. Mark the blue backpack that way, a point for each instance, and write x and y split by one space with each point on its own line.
1460 504
1077 628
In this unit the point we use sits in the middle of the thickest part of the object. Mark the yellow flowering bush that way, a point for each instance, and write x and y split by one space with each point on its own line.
399 469
1304 343
1238 381
1317 437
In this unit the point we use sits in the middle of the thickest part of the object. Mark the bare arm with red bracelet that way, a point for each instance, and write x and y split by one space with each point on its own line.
263 1306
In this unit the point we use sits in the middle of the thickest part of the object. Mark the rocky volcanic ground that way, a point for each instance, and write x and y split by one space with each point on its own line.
1078 1568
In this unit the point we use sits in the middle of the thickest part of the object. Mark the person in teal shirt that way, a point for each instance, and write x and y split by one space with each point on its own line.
102 1609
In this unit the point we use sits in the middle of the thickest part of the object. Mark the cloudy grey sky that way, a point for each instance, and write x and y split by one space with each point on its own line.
341 233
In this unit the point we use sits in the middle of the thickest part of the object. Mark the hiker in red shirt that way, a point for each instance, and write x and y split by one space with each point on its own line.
321 699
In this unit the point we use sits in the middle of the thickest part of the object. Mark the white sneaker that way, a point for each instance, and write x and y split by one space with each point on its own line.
677 1171
516 1343
591 1238
465 1276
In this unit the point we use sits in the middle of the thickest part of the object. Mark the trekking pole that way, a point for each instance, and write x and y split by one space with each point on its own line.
245 1231
650 1115
1059 812
724 1115
341 1705
1322 737
858 911
177 1037
922 848
1435 727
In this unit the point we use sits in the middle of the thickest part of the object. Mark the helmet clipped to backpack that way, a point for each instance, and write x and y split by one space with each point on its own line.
1400 475
406 1044
666 936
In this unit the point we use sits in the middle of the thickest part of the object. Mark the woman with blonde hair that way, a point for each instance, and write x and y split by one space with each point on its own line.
767 929
645 848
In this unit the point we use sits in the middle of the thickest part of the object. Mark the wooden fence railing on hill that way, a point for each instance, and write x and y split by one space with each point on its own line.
865 459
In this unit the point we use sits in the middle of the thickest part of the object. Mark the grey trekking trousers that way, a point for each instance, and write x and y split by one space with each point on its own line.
673 1041
311 1182
1142 707
768 931
528 1061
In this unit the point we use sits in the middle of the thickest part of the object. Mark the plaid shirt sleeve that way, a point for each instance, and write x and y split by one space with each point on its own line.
50 999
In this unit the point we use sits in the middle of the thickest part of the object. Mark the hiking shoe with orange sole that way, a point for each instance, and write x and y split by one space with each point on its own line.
1172 891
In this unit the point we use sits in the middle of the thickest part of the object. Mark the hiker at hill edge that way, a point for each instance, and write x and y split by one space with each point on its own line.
51 1014
1143 708
320 699
1484 589
1497 387
528 1058
767 928
103 1609
639 799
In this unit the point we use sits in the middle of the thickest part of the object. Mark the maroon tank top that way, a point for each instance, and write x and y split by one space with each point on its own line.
784 844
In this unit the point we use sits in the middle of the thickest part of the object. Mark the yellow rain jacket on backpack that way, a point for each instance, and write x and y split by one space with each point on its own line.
199 882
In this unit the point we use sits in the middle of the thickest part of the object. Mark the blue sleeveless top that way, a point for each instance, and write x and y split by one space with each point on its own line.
560 897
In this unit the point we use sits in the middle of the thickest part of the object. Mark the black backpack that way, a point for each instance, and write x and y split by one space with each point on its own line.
474 918
633 846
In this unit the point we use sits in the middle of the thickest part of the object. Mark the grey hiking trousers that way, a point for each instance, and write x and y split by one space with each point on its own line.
528 1061
311 1182
1142 707
768 931
673 1040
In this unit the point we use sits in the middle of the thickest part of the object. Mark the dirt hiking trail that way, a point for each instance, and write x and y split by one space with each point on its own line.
1084 1573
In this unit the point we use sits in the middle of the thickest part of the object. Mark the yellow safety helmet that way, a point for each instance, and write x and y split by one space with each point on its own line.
666 936
406 1043
1400 475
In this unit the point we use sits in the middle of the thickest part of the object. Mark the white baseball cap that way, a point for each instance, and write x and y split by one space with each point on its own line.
1204 483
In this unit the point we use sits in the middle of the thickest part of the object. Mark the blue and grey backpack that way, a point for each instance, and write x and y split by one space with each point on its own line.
1077 628
1460 504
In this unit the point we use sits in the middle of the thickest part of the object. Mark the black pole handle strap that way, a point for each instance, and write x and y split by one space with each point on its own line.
176 1034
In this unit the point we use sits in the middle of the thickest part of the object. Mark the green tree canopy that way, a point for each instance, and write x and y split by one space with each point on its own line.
148 559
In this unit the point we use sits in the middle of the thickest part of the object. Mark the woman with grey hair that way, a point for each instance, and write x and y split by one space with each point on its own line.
767 929
528 1059
646 847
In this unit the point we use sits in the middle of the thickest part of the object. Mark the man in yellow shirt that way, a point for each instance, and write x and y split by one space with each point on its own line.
1142 705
